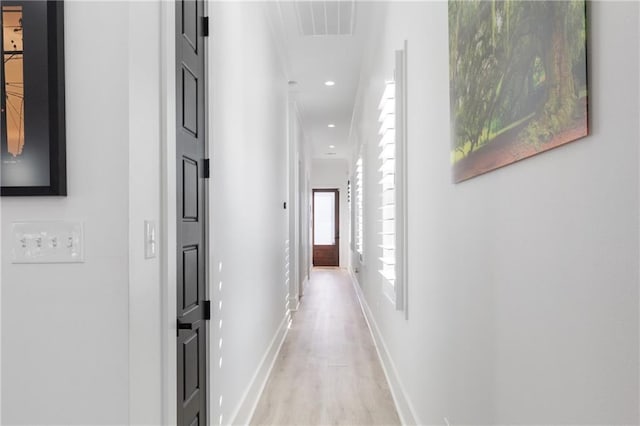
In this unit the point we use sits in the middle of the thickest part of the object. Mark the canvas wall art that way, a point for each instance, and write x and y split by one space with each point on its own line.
518 80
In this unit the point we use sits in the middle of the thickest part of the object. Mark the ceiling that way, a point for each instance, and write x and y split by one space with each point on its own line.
322 41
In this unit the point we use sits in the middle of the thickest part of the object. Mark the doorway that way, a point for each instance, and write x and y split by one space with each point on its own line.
326 227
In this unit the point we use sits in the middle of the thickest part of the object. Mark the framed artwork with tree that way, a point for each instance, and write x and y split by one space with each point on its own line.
518 80
32 144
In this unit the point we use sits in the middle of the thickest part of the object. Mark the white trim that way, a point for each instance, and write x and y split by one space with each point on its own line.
293 203
168 213
245 409
638 317
294 303
401 199
304 284
208 227
403 404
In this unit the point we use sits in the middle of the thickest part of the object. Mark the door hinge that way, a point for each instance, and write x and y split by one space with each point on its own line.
206 168
205 26
206 310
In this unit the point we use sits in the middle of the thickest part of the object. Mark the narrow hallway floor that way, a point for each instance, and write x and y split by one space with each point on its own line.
328 371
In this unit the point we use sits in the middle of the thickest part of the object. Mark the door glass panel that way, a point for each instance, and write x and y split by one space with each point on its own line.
14 78
324 218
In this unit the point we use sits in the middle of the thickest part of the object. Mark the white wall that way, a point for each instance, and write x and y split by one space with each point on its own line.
523 283
334 174
65 327
145 339
82 343
248 144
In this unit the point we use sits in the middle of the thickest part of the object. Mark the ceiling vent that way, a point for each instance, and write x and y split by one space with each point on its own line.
326 18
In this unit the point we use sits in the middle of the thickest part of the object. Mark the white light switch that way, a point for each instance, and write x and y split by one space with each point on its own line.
48 242
150 239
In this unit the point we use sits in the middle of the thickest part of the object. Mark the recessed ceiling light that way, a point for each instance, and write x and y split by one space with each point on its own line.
329 83
332 146
331 125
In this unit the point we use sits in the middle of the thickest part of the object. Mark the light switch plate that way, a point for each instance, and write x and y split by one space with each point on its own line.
48 242
150 239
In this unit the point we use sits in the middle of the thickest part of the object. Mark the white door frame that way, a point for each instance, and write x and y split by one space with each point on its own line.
293 155
168 212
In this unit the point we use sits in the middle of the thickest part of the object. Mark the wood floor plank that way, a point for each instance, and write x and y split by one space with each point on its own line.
328 371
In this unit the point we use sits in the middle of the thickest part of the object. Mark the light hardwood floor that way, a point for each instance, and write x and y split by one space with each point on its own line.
328 372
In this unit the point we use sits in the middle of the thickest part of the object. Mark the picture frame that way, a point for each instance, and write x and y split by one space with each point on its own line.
518 81
33 143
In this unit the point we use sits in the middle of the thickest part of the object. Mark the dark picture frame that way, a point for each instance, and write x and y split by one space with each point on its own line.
33 152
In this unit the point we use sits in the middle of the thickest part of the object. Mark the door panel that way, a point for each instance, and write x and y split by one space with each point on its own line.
326 227
189 101
192 306
190 272
189 190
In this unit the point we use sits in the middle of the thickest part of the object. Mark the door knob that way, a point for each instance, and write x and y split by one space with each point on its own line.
185 325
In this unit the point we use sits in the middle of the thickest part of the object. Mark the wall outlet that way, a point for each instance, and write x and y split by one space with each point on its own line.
48 242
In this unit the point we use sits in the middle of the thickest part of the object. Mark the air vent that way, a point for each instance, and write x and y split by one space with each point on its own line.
326 18
330 153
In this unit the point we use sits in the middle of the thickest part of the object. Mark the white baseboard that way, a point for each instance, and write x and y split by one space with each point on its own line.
294 304
251 396
403 404
304 285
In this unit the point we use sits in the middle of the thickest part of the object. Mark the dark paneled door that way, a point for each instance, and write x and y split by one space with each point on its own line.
192 307
326 227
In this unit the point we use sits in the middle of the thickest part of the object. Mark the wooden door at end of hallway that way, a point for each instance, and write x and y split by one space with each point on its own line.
193 309
326 227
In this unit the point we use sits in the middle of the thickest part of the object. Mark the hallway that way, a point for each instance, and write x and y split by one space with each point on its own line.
328 371
165 287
